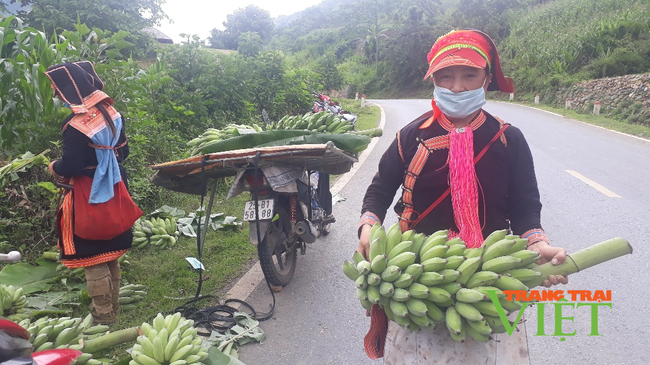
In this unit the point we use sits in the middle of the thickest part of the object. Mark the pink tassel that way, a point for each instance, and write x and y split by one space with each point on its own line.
464 187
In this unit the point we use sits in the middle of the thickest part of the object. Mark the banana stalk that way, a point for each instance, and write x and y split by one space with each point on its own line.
583 259
111 339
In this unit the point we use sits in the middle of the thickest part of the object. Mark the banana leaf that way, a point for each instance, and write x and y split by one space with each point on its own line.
352 143
251 140
30 278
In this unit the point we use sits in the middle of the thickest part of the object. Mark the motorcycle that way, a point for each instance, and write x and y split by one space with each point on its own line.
325 103
289 208
15 348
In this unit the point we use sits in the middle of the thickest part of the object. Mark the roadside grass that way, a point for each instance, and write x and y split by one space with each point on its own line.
367 115
602 120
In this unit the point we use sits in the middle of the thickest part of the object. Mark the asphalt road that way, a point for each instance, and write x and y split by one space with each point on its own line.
594 185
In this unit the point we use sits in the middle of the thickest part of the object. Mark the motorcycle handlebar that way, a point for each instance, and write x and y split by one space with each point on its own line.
13 256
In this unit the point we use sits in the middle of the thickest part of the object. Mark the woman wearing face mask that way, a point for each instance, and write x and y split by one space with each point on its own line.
460 169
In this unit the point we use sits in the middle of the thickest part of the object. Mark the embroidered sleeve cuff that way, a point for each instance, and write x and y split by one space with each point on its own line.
535 235
368 218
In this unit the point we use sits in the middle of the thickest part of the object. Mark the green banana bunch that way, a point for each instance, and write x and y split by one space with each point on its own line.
62 333
155 231
423 280
131 295
324 121
212 135
168 340
13 303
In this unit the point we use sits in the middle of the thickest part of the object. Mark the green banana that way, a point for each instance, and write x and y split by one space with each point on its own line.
414 269
452 288
509 283
476 335
434 312
386 289
399 309
438 295
419 291
495 237
455 250
501 264
374 279
499 248
402 260
400 295
453 320
527 257
481 327
379 263
487 308
391 273
350 270
403 281
450 275
404 246
453 262
467 295
432 241
431 278
416 307
435 251
482 278
468 311
434 264
373 294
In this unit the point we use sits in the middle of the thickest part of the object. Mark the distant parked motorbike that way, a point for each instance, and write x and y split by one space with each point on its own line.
325 103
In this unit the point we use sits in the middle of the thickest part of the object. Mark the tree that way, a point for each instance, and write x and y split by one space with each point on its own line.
114 15
243 20
330 77
250 44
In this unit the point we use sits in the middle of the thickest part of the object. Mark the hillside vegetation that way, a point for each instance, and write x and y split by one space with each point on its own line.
380 46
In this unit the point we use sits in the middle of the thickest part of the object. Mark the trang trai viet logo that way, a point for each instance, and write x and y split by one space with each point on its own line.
555 299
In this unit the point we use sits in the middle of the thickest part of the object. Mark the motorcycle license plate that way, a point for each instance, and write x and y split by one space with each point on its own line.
265 208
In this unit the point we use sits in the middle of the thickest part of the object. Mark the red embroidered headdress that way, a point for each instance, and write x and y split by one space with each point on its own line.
471 48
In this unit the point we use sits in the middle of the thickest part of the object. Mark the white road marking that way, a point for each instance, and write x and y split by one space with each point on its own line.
593 184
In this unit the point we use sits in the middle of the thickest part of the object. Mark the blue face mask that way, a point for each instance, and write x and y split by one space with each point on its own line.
66 105
459 105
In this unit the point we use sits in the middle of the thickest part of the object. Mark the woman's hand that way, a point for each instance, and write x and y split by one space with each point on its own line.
51 168
364 240
552 254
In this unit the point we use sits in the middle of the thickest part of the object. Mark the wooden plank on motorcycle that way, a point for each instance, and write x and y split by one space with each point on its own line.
183 175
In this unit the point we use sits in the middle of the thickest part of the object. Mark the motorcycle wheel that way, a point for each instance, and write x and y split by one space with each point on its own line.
278 263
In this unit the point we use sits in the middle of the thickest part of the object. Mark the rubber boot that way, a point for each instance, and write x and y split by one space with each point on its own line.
99 284
116 275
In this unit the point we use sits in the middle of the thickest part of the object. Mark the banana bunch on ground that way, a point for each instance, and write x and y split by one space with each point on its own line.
421 280
13 303
155 231
212 135
169 340
131 295
62 333
325 122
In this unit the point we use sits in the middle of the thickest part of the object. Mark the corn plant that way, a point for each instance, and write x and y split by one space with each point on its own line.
26 105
